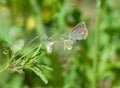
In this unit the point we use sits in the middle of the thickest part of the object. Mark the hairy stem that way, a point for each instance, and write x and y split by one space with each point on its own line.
97 36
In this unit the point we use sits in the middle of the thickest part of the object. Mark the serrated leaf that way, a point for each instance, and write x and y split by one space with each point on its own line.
39 73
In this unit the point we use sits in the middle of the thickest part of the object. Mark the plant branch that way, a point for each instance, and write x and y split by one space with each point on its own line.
100 6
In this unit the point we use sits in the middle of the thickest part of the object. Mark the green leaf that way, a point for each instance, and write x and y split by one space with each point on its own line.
46 67
39 73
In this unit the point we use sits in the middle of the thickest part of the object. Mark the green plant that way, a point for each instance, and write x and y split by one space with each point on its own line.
26 61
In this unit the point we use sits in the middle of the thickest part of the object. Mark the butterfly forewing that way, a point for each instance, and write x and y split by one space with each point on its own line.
79 32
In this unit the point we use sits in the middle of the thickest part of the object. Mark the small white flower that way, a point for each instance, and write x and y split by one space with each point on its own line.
68 44
49 46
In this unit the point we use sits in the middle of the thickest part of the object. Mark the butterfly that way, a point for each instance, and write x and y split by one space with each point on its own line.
79 32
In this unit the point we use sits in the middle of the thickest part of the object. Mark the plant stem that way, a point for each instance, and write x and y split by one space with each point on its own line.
4 67
39 47
97 36
37 14
24 47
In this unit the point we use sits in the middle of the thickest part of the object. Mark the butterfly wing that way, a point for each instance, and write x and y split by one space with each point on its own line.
79 32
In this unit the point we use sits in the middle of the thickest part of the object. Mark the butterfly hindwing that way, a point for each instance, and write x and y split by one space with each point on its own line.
79 32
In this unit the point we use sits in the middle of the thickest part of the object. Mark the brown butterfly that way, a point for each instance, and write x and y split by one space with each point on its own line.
79 32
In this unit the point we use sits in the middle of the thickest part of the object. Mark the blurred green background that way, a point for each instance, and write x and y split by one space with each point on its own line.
78 68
